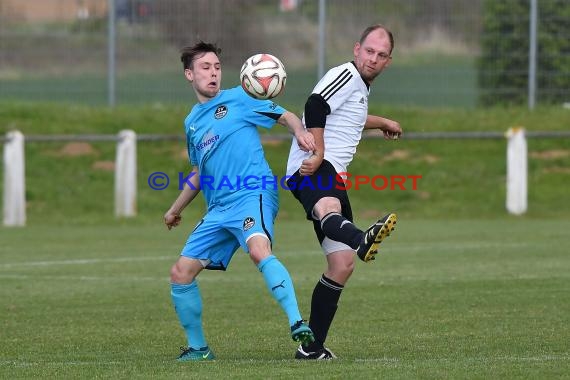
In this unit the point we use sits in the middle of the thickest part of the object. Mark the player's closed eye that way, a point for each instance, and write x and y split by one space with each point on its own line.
381 56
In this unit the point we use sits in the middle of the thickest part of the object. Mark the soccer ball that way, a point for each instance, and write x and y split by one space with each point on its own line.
263 76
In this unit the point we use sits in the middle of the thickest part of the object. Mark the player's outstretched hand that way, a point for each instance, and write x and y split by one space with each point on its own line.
391 135
172 220
391 129
306 141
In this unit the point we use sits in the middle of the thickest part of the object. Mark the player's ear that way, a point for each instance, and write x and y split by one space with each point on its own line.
189 74
356 49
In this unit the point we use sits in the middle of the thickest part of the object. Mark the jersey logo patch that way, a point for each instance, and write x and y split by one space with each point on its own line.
221 111
362 101
248 223
207 142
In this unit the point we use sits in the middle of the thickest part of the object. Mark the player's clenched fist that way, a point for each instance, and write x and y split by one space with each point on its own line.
172 220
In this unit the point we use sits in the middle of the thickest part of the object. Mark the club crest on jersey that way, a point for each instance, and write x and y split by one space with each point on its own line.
248 223
221 111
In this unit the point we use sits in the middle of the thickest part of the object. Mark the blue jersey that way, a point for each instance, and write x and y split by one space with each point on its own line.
223 142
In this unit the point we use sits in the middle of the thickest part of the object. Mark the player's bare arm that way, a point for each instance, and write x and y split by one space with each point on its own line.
172 218
311 164
390 128
305 140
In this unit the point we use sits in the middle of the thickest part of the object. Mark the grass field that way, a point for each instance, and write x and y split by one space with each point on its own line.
447 299
463 291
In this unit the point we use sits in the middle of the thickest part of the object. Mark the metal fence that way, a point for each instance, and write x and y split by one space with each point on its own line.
59 50
14 184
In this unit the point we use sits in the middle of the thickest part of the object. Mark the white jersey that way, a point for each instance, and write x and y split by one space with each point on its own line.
346 93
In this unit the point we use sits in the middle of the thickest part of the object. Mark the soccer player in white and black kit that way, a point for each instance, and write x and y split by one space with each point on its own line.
336 113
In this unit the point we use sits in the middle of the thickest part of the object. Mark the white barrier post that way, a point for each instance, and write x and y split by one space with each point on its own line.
14 180
126 175
516 171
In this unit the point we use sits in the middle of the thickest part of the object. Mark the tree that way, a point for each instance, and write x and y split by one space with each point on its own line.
503 66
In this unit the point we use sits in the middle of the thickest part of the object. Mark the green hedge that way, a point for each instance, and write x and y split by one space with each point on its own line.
503 68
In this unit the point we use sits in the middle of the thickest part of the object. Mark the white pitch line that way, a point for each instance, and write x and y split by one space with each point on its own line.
121 279
86 261
82 278
15 363
403 247
446 246
542 358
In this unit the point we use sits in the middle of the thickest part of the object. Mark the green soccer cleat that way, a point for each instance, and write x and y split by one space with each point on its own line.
374 235
191 354
302 333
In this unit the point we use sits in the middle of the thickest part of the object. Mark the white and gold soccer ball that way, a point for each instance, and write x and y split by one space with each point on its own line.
263 76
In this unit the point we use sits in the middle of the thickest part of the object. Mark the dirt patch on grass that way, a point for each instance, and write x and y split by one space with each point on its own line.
423 195
108 166
371 214
398 154
557 170
406 155
430 158
551 154
271 142
76 149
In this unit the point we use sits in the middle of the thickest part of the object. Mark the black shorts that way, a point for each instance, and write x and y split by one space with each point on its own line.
323 183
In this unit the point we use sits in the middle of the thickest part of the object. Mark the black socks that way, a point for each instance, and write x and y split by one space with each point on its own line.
323 308
337 227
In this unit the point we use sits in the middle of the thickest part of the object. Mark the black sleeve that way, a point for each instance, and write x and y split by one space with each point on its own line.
271 115
316 111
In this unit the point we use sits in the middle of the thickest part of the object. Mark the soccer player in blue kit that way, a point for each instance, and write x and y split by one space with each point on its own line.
224 146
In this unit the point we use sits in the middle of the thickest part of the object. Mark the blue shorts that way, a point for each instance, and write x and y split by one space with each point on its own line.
223 230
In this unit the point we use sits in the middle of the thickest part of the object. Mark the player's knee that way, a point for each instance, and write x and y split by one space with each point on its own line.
345 270
175 274
341 270
259 248
325 206
258 254
180 275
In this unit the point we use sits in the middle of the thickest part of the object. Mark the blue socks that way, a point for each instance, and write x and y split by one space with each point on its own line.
188 302
280 286
188 305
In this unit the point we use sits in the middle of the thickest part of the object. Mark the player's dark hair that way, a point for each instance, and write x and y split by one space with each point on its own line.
190 53
372 28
